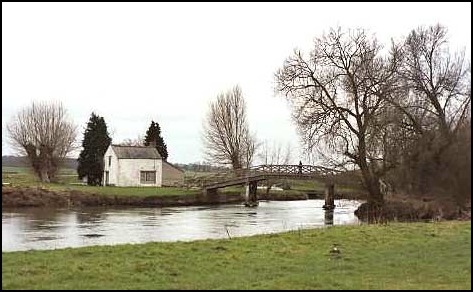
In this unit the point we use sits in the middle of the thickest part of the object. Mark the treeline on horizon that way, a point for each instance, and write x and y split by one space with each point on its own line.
22 161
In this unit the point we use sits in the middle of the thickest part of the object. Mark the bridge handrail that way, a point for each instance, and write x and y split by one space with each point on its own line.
294 169
221 176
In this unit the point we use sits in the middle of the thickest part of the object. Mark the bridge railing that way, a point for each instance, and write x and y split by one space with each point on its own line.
283 170
228 175
295 169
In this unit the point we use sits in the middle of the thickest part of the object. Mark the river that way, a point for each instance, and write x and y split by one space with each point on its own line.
42 228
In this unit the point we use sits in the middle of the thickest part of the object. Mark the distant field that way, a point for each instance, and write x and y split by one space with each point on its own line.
24 176
23 170
68 180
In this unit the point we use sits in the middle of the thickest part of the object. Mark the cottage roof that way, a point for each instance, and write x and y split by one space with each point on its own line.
173 166
136 152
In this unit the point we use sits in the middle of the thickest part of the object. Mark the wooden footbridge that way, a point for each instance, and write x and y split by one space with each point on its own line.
251 176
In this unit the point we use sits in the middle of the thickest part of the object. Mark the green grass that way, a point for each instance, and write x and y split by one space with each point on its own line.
20 176
126 191
67 179
319 185
24 176
393 256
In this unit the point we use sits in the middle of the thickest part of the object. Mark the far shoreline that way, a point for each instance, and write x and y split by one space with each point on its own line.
17 197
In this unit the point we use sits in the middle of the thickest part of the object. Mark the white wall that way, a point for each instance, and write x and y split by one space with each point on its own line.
113 169
129 171
126 172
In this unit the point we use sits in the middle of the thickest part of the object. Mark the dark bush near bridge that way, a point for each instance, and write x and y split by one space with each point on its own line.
412 210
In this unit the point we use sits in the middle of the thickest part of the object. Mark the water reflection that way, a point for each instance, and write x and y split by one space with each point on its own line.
43 218
39 228
91 216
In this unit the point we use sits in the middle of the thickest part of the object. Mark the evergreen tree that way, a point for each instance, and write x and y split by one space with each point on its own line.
153 137
95 143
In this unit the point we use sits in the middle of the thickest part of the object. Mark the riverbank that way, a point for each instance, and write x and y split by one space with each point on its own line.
395 209
44 197
411 208
394 256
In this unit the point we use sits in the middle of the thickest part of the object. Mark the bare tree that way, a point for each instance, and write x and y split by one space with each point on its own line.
44 134
250 147
274 154
226 136
133 142
439 84
436 108
337 94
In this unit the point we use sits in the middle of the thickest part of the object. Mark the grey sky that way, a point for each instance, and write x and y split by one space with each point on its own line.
134 62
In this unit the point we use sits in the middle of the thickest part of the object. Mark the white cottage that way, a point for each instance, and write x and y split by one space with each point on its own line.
132 166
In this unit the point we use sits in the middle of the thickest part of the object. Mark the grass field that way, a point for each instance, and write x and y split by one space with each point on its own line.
67 180
23 176
394 256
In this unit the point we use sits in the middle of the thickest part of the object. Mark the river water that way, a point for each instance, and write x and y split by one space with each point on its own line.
40 228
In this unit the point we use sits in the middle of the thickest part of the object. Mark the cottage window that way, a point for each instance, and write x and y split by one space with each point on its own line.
109 160
148 177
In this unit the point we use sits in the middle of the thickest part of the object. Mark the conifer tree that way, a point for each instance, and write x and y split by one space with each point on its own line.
95 143
153 137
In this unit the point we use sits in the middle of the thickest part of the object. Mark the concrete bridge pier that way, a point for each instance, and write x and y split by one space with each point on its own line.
328 217
329 196
210 195
251 199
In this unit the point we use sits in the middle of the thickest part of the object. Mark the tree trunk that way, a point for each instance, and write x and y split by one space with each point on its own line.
236 164
374 193
43 175
370 180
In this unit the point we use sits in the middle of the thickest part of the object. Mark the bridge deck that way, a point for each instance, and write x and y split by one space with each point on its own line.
263 172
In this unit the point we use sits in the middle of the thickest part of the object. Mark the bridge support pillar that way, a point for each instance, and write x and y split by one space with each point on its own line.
251 199
211 195
328 217
329 196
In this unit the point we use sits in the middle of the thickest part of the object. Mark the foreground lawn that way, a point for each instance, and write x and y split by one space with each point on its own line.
393 256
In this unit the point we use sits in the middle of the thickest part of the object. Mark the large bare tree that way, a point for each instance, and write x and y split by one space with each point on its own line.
338 94
43 132
439 83
436 107
226 135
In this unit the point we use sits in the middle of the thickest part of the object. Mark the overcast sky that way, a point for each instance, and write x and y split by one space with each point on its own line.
136 62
